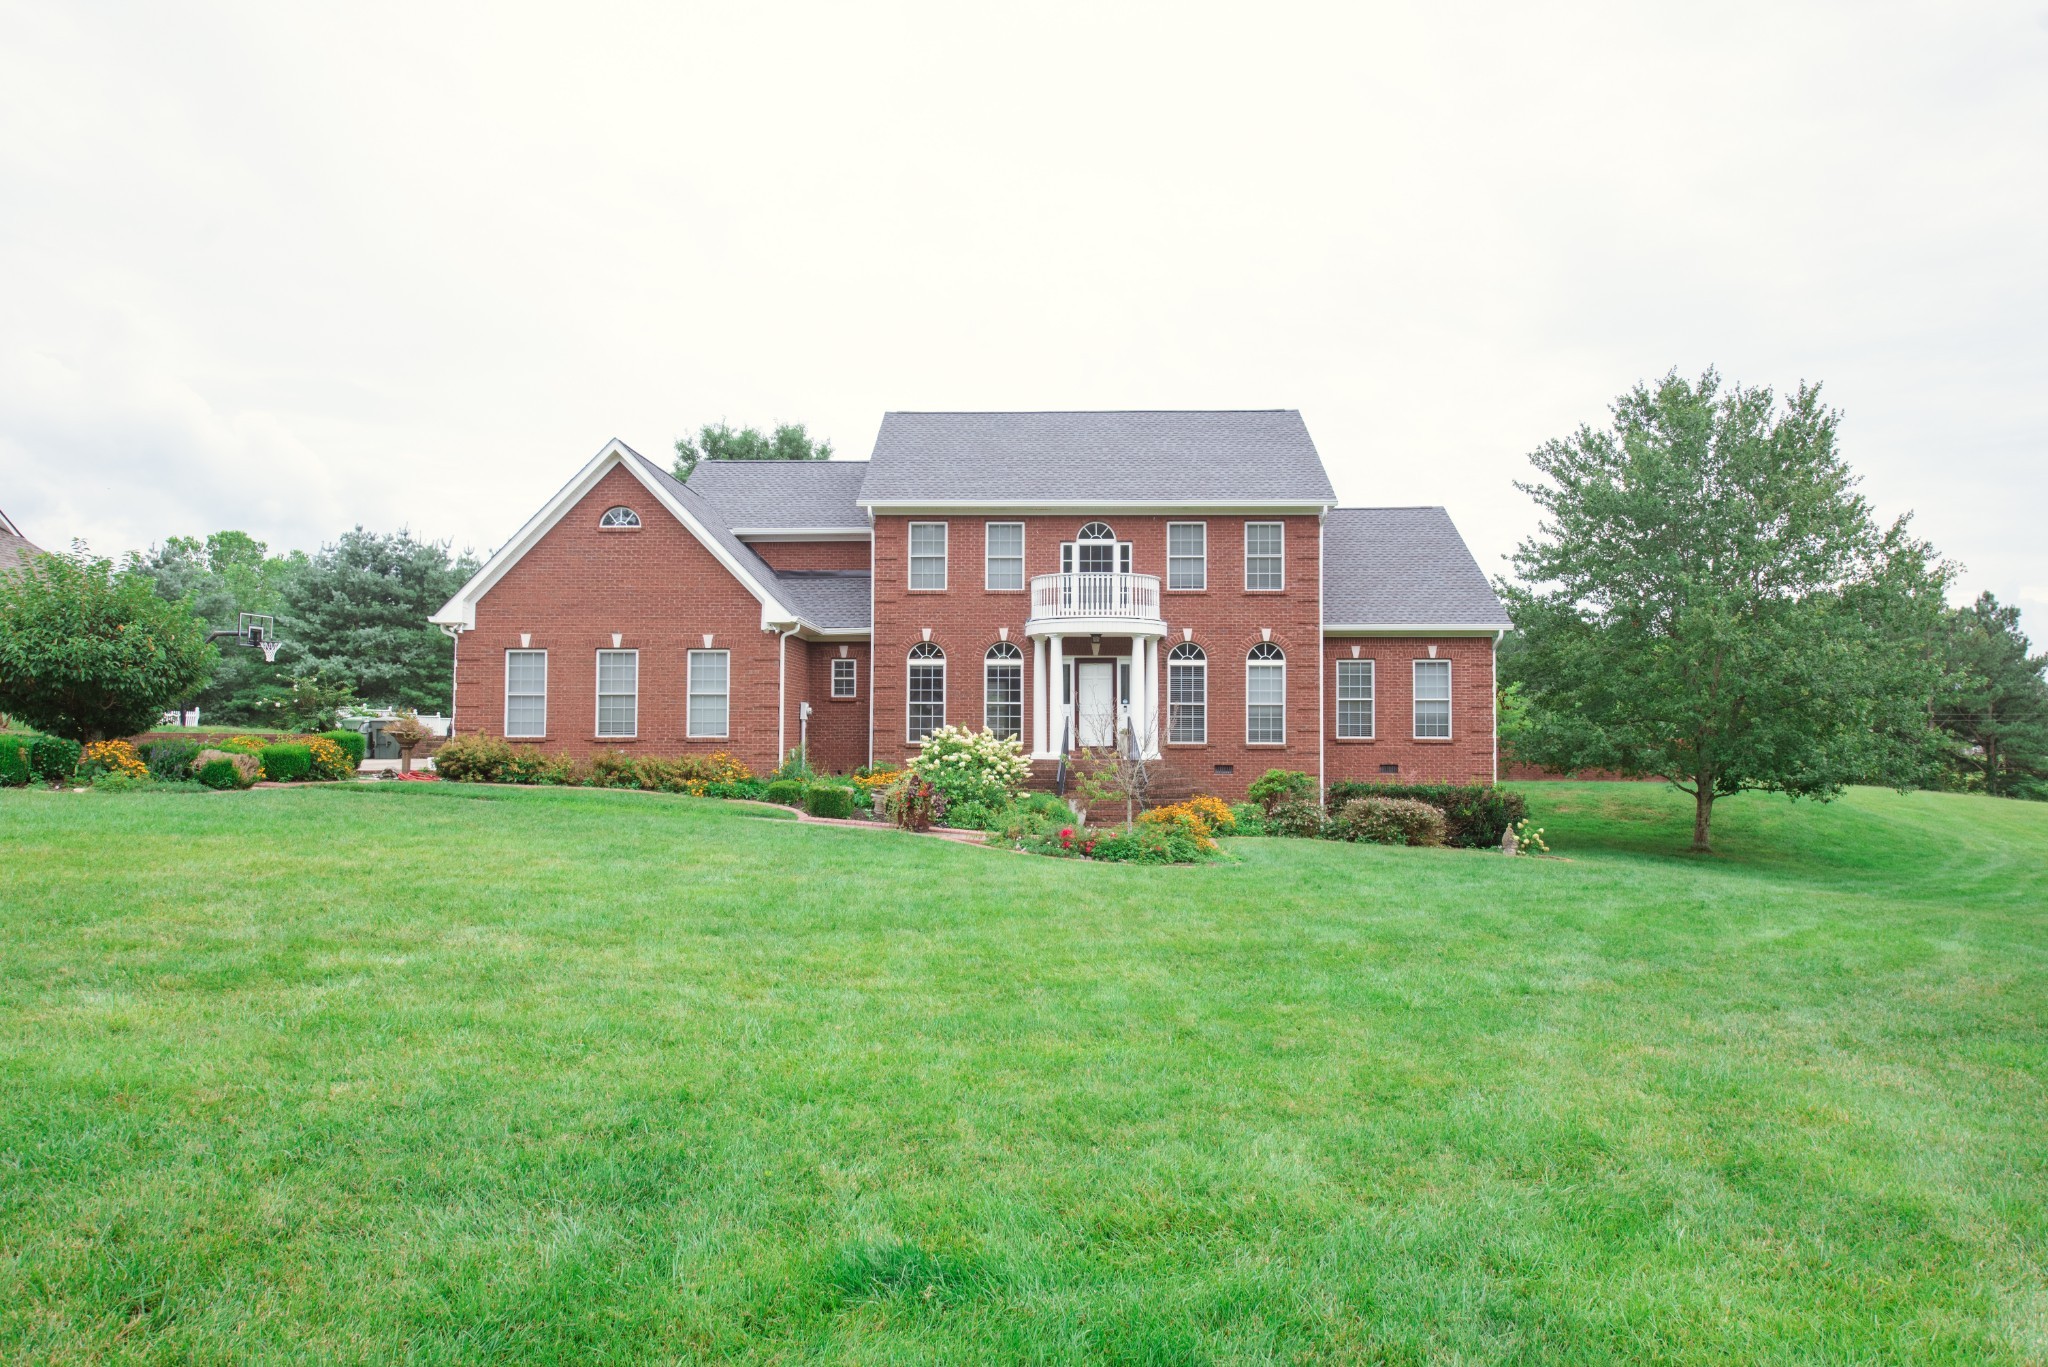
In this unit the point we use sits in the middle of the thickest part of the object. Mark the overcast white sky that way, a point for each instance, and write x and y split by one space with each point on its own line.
288 269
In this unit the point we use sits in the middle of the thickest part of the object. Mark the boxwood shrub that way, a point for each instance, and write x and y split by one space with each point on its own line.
14 766
287 762
226 769
354 744
789 792
53 758
828 799
1475 815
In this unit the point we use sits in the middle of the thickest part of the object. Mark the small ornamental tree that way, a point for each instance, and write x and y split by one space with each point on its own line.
1709 601
90 653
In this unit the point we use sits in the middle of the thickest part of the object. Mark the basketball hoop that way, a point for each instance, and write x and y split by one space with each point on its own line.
253 629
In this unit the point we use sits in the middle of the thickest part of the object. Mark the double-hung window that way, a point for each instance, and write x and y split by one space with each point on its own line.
1187 555
526 693
1265 695
1002 707
845 678
1354 700
618 693
926 706
710 693
1005 561
928 555
1187 695
1265 556
1432 700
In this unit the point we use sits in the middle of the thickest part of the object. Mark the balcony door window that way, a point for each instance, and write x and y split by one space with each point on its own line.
1095 551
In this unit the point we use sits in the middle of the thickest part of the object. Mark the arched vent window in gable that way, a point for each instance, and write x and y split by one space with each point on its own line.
617 518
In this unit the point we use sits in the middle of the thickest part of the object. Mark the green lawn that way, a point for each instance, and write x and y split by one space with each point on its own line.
423 1073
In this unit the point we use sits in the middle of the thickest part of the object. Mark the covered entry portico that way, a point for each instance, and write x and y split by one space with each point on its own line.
1094 661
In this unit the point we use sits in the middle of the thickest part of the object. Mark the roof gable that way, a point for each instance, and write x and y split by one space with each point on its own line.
1246 457
1403 567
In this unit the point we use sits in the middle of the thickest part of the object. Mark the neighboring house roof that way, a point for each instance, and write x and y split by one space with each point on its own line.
784 495
1260 457
1403 567
14 547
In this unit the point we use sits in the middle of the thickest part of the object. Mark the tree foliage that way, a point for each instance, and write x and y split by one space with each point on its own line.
717 441
1993 701
357 612
218 578
90 652
1709 601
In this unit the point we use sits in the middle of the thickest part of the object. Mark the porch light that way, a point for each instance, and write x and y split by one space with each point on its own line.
1094 645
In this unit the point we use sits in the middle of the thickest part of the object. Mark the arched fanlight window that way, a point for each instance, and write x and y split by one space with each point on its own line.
1187 695
1096 551
926 698
1265 695
1002 691
619 517
1097 531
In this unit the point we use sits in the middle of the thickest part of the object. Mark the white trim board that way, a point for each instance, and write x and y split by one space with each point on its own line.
460 611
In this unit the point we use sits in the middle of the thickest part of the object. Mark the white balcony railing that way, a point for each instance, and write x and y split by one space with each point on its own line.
1133 597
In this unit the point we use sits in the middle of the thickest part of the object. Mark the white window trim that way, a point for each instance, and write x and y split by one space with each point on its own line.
597 680
1281 587
1372 675
1202 665
988 663
945 685
690 695
1249 665
852 677
604 524
1450 711
910 557
1202 587
1023 560
527 735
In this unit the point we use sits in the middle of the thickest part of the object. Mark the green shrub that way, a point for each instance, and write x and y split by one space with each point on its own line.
613 769
226 769
1303 820
1277 786
1476 815
795 765
286 763
53 758
749 788
786 792
120 781
829 799
1032 814
1250 818
356 745
965 765
14 765
170 761
475 758
1387 821
666 775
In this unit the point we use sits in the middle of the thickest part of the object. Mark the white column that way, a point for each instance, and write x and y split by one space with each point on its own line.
1054 666
1152 691
1038 709
1138 688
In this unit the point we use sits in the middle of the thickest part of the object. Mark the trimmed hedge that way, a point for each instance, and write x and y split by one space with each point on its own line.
284 763
14 766
1387 821
227 769
54 758
787 792
353 743
828 799
1475 815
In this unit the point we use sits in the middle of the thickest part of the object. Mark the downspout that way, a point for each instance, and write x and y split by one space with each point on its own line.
1495 681
1322 667
871 640
781 693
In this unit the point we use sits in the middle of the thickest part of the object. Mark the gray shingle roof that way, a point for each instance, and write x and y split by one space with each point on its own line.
14 547
784 493
843 603
1402 567
1254 456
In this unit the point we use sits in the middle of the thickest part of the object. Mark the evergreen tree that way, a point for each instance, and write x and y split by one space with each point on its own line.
1994 701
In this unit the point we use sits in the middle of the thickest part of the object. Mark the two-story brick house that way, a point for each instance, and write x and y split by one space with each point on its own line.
1067 578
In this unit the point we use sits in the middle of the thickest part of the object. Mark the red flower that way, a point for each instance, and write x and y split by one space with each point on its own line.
1066 832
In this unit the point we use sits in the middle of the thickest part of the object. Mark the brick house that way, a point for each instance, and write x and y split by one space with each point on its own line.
1181 577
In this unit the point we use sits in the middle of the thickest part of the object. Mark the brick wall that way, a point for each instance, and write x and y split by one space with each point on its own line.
1467 757
1225 619
812 555
660 591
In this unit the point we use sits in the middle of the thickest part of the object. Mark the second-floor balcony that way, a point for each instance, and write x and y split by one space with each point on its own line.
1095 603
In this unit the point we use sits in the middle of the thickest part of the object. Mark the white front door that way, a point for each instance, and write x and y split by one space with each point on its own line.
1095 702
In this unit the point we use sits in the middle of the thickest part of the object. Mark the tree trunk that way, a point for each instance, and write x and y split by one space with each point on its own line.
1702 818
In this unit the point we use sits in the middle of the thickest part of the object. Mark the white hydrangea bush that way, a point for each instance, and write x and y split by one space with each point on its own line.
972 766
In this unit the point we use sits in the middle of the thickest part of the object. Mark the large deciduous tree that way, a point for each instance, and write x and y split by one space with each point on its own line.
219 578
1709 601
717 441
1994 701
89 652
357 612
